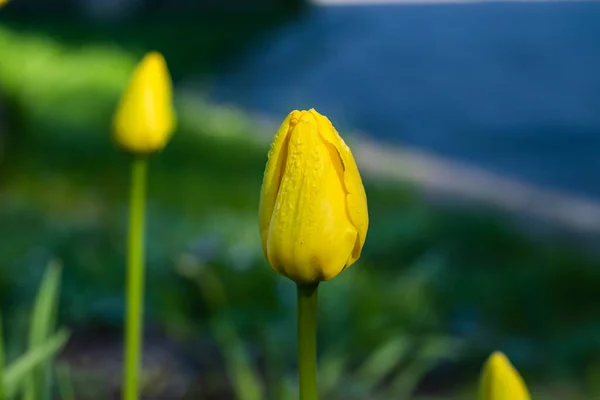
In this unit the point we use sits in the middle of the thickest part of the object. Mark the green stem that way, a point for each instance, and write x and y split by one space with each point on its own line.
135 279
307 342
1 361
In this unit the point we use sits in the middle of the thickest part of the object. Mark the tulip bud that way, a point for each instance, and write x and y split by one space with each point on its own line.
313 208
501 381
145 118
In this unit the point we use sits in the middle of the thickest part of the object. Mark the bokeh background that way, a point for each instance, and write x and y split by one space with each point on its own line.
476 127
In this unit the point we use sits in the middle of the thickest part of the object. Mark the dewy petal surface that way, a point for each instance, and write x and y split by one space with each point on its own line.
356 198
272 177
313 216
310 236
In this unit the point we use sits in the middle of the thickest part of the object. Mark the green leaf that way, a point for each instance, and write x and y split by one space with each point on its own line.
429 355
63 379
37 386
382 361
331 371
2 397
16 372
245 379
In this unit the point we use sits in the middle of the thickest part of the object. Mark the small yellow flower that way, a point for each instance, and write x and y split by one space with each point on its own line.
501 381
313 208
145 119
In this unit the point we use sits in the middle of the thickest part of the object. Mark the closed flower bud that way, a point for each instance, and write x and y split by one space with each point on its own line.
145 118
313 208
501 381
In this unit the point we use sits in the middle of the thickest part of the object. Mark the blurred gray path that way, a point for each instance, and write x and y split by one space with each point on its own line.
420 2
513 88
446 181
496 102
449 180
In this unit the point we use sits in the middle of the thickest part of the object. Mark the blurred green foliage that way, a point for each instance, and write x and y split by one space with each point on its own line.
435 291
30 373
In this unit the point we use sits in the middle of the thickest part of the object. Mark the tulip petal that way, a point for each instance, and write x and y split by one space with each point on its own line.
356 198
501 381
313 211
145 119
294 224
272 178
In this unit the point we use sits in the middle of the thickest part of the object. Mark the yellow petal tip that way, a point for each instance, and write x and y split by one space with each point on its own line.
501 381
498 360
145 119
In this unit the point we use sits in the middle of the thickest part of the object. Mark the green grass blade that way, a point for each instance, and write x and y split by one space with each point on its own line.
65 385
1 362
37 385
432 351
332 368
17 371
245 379
383 361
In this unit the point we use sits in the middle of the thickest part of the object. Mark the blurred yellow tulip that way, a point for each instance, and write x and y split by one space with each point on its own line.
3 2
313 208
145 118
501 381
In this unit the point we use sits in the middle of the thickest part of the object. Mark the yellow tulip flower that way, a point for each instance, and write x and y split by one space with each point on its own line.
3 2
313 208
501 381
145 118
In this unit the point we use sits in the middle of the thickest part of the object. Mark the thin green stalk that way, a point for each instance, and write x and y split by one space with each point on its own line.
307 342
135 279
63 381
1 361
38 384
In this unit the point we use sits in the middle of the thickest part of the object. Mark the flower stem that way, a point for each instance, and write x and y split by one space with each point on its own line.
307 341
1 361
135 279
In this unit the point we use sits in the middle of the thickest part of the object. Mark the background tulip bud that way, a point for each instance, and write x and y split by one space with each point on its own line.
501 381
145 118
313 208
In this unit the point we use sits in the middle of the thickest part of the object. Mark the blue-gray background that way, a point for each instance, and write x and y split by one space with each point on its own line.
511 87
